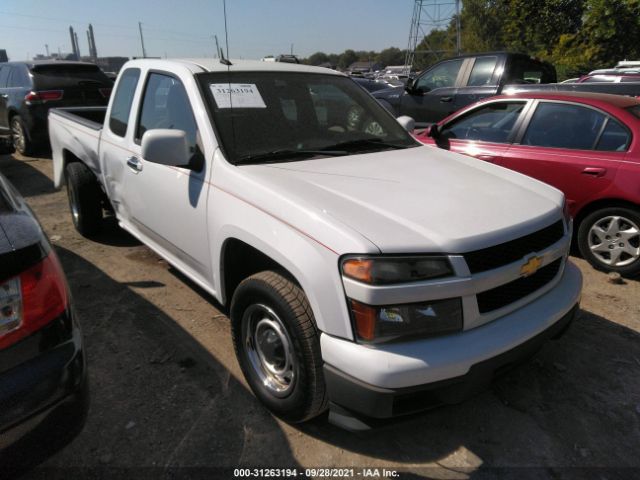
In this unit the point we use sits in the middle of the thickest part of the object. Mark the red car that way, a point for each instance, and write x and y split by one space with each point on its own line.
585 144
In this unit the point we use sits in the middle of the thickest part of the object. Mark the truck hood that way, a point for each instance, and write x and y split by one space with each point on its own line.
417 200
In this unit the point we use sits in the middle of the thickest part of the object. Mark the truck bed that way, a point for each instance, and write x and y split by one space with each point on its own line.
75 132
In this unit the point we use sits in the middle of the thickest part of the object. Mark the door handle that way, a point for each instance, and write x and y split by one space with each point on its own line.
4 95
135 164
446 99
486 157
594 171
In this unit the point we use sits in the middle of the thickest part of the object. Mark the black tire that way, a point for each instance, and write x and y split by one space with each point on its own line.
621 241
85 199
305 396
19 137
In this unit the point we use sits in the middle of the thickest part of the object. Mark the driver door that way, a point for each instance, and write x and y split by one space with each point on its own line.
432 97
168 205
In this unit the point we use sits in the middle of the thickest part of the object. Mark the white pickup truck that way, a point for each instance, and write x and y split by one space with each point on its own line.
362 271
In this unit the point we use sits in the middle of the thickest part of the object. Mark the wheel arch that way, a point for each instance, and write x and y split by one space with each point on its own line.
242 253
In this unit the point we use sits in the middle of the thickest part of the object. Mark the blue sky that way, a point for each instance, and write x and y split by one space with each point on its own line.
185 28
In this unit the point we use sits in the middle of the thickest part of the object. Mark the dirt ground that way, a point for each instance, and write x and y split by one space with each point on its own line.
167 392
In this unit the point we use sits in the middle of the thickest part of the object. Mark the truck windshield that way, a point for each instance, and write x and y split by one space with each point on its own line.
265 117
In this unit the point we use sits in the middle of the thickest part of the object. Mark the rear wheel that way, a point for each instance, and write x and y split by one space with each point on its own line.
609 239
277 346
21 142
85 199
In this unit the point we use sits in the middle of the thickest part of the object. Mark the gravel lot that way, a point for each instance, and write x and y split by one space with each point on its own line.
167 391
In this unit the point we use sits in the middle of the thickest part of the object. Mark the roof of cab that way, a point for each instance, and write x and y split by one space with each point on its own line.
199 65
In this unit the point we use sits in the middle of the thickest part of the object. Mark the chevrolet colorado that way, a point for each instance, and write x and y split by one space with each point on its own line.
362 271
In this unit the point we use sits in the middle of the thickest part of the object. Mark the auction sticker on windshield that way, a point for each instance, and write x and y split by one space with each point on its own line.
237 95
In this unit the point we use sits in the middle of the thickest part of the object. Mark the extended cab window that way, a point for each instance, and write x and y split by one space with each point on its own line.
490 123
562 125
440 76
482 71
122 101
166 105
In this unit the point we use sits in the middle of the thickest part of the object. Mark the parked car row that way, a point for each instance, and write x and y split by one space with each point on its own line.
452 84
365 273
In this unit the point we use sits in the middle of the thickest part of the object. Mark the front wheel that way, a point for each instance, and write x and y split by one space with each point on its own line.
278 347
609 239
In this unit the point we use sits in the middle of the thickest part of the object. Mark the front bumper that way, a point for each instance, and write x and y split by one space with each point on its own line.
397 379
43 386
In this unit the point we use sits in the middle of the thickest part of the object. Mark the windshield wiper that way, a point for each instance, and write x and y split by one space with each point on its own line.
280 155
367 142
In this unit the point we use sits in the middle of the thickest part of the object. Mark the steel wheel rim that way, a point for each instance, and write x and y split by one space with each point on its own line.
18 136
75 214
270 350
615 241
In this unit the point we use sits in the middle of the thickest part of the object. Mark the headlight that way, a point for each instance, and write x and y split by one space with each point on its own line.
387 270
376 324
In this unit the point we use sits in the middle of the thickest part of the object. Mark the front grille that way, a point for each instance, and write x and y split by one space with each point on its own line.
509 252
513 291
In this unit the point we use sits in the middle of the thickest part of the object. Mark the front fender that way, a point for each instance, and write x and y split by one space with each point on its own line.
314 266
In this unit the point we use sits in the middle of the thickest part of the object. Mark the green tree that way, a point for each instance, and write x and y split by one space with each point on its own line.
317 58
347 58
391 56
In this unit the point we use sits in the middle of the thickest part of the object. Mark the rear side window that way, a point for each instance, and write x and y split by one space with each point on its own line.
166 105
560 125
19 78
4 75
122 100
614 138
490 123
482 71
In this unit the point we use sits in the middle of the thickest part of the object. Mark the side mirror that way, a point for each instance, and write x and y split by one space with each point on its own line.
432 131
166 147
409 85
408 123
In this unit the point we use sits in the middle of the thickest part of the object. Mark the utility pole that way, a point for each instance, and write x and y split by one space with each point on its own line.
46 47
292 49
144 53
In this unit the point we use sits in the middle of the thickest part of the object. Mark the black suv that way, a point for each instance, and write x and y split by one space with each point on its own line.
29 89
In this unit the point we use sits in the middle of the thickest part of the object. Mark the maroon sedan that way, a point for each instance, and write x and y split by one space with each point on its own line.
587 145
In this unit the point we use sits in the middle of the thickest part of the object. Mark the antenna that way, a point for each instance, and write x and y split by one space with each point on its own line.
226 31
224 60
144 53
217 46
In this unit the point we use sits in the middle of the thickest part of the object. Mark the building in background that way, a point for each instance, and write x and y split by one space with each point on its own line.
3 56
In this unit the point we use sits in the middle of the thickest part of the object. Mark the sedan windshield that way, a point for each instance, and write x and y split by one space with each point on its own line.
264 117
